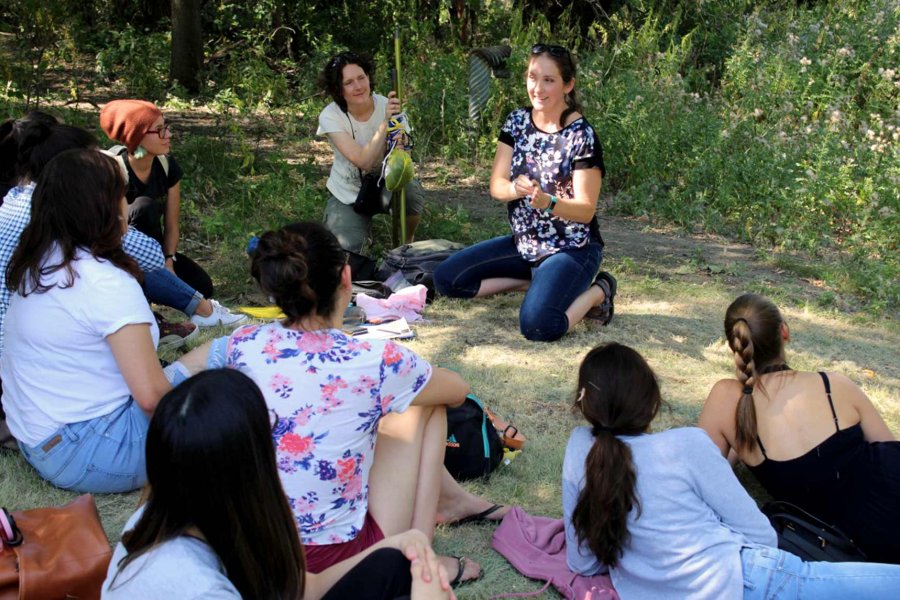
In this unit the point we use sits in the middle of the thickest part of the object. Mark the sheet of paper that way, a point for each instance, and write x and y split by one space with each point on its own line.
398 329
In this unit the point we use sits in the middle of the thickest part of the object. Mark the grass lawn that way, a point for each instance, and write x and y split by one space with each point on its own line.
670 306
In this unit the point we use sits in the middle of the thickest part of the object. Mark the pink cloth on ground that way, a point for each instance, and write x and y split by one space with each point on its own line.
536 547
407 303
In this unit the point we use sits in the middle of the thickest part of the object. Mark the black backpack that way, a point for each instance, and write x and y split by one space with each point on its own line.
474 448
417 261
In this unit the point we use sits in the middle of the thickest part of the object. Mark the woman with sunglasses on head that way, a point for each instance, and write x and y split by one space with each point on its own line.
333 395
216 523
812 439
664 513
154 188
355 123
547 170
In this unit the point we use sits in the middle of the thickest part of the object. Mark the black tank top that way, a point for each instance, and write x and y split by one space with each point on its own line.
818 479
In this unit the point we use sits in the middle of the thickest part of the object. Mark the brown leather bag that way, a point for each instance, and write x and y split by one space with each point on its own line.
63 553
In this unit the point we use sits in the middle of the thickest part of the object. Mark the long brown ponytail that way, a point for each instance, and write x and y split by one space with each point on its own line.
753 330
619 395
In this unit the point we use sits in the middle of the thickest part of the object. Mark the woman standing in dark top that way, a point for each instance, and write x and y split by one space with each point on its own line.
812 439
548 170
154 182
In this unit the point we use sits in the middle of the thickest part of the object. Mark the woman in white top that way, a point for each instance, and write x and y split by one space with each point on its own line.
80 370
217 523
355 124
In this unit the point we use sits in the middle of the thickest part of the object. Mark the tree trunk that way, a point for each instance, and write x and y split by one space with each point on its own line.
187 44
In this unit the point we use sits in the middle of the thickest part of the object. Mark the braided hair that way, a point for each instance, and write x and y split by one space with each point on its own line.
753 330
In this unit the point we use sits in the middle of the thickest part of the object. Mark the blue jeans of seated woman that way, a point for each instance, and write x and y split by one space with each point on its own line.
164 287
770 574
555 281
101 455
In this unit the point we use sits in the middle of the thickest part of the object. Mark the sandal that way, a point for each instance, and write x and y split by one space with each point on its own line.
481 517
510 435
458 580
603 313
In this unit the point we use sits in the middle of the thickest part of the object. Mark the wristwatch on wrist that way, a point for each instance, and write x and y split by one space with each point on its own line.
172 256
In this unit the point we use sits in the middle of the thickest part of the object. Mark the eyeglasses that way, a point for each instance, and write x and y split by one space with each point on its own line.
162 132
552 50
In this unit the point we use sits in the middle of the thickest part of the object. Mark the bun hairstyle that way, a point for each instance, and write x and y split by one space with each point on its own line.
567 66
13 132
331 78
753 330
299 266
28 144
76 204
211 465
618 395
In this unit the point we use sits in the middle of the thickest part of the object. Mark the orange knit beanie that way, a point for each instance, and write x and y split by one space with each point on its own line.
128 121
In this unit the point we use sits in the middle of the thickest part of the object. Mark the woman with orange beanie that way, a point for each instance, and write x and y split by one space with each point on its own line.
154 181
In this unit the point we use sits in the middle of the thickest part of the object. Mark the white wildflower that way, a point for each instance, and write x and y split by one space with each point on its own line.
836 117
845 52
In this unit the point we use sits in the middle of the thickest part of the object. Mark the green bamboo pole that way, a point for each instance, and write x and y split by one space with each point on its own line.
399 91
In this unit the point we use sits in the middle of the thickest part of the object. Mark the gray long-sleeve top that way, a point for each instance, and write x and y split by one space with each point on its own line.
695 518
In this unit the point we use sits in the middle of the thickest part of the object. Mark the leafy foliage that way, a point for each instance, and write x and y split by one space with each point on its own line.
775 122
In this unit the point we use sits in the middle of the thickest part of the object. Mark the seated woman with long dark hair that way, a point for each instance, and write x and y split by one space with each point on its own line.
217 524
665 513
79 366
812 439
331 395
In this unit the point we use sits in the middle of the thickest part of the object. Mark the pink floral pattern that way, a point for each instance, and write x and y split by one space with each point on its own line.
326 392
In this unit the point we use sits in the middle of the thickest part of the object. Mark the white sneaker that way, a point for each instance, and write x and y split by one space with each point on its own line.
219 316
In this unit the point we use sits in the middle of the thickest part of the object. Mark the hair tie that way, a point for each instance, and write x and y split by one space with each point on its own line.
598 428
748 390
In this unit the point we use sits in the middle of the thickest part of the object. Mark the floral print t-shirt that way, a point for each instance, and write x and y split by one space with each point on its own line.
549 158
326 392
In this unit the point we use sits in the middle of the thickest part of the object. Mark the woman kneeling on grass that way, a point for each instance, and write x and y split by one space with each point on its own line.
826 448
331 395
217 524
79 366
547 170
664 511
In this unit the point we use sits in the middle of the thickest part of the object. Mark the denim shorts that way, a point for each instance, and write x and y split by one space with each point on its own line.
102 455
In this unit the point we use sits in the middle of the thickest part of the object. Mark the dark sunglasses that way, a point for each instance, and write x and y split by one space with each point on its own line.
552 50
342 59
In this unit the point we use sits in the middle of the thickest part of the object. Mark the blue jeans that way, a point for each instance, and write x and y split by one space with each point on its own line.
555 281
770 574
102 455
164 287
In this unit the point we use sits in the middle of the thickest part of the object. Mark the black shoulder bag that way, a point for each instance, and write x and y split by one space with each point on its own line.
808 537
370 199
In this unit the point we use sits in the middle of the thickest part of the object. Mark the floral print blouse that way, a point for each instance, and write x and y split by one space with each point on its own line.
549 158
326 392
